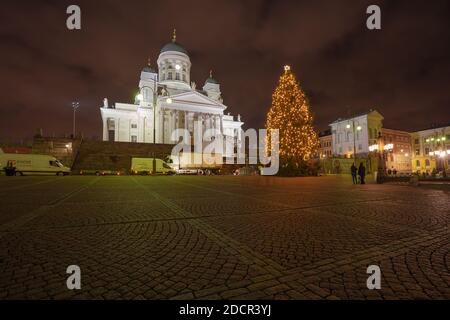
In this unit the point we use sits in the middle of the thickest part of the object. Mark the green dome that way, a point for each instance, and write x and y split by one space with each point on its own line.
173 46
149 69
211 79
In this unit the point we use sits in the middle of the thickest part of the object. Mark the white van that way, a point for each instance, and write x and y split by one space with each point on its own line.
145 166
21 164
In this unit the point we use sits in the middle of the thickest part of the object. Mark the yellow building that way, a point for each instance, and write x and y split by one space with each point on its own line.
431 150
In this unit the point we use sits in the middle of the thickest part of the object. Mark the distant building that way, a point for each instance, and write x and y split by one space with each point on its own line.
326 144
17 150
431 150
356 134
399 158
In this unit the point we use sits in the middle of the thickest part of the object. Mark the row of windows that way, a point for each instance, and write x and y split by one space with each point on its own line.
169 76
170 66
427 163
424 140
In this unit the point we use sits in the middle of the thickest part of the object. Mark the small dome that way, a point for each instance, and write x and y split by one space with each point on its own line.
149 68
211 79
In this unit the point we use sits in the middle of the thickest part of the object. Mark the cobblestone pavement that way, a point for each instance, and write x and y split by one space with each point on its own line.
187 237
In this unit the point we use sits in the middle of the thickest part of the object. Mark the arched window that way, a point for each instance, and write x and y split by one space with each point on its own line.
418 163
169 76
427 162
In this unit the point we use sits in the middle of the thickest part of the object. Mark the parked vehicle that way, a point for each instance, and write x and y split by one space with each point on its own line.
144 166
194 164
102 172
31 164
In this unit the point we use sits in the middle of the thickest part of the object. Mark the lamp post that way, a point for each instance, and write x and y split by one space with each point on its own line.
140 97
75 106
381 150
439 152
354 129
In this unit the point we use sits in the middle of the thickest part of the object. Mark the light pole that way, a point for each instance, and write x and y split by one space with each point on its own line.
439 151
354 129
381 149
140 97
75 106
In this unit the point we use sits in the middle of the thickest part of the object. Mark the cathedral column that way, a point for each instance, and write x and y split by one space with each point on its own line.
116 129
163 126
171 125
105 129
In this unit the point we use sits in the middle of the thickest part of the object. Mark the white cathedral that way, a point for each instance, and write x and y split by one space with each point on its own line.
177 102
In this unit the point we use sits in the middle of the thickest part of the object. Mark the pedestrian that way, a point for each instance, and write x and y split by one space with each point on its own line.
354 171
362 173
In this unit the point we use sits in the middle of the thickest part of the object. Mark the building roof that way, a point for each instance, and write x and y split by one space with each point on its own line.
325 133
434 126
356 116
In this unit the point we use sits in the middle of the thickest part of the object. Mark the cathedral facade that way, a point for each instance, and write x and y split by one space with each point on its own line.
168 100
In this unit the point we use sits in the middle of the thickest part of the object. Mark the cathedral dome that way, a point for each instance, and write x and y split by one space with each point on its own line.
174 46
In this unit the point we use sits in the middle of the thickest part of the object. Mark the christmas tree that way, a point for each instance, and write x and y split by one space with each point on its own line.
290 113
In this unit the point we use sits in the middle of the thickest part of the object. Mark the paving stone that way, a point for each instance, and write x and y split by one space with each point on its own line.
222 238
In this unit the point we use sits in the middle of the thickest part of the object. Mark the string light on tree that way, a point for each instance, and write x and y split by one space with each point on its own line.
290 113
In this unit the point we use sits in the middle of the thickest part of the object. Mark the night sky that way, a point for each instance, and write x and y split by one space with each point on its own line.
403 70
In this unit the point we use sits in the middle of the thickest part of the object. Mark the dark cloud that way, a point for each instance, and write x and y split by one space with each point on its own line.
402 70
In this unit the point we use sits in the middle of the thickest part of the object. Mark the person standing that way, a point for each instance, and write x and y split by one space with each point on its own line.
362 173
354 170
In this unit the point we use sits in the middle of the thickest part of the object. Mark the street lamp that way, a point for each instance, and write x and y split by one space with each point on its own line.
75 106
438 145
358 128
381 150
140 97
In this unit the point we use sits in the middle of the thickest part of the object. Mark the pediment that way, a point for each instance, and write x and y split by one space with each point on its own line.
196 98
